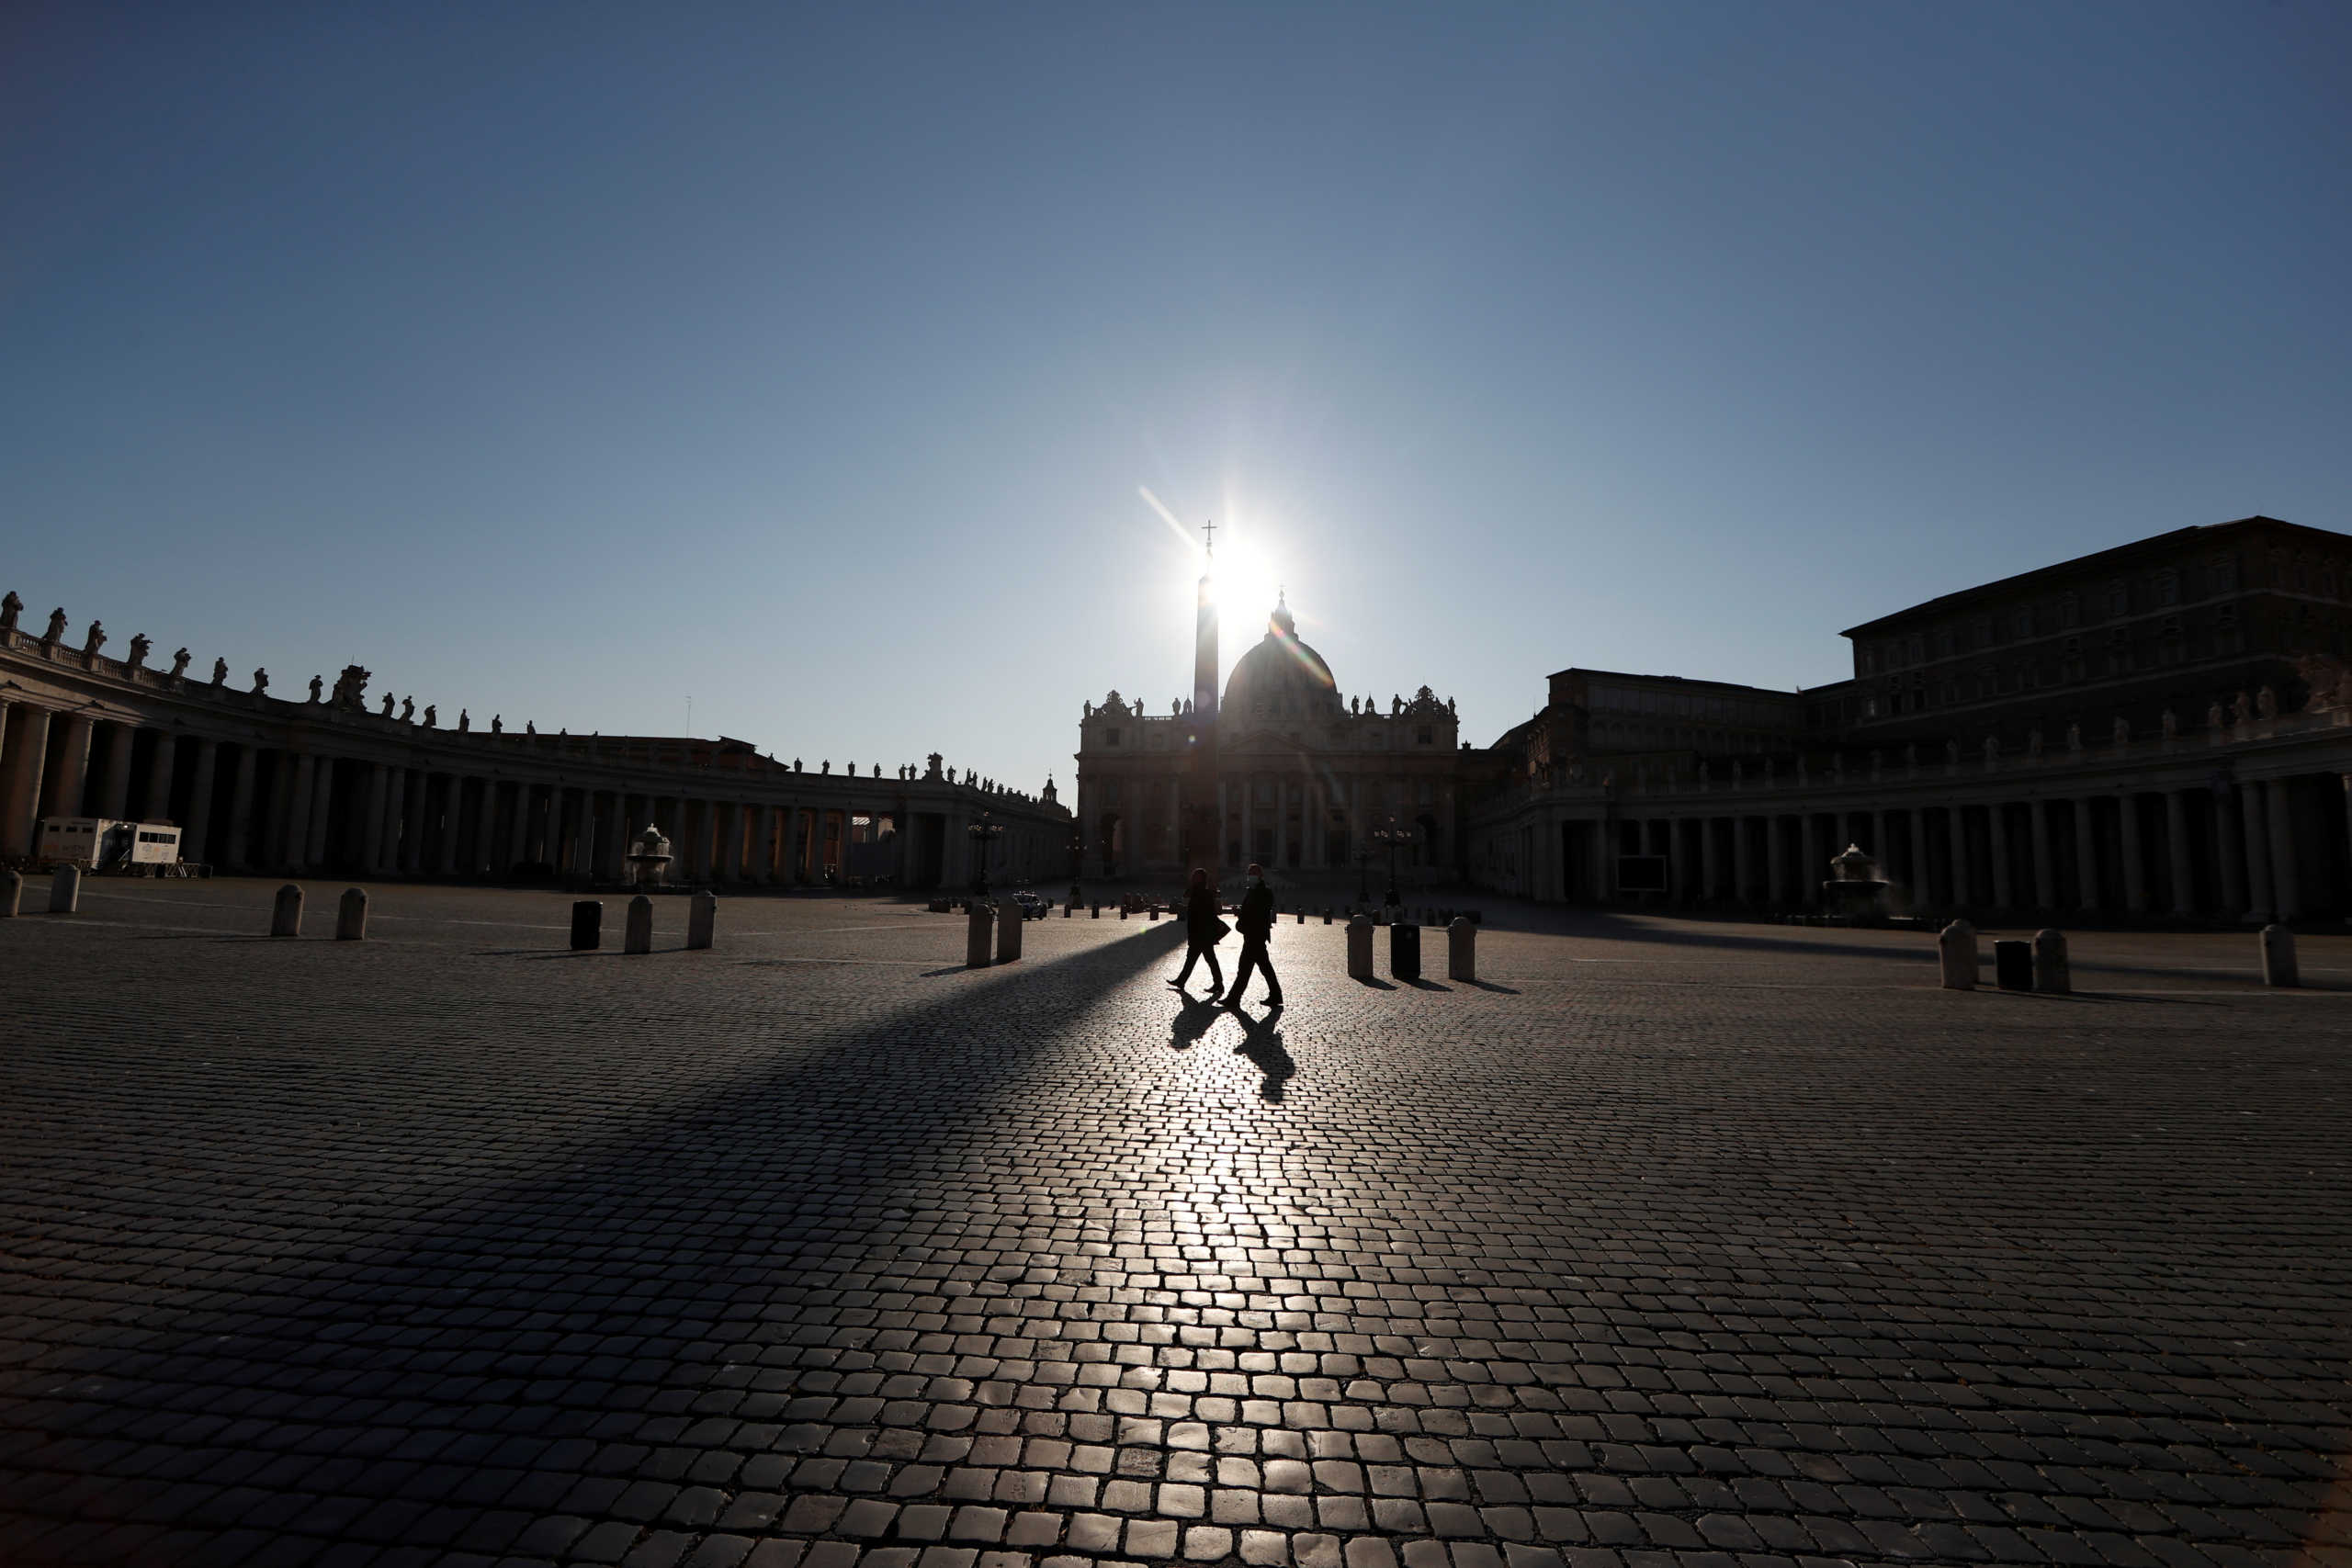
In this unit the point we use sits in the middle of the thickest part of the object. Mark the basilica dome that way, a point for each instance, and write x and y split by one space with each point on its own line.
1279 678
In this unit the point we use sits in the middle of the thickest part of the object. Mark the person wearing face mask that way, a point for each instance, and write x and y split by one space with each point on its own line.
1256 922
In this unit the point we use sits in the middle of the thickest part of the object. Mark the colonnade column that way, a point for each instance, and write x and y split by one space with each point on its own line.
114 788
2229 848
241 809
197 829
371 840
2086 856
453 801
1963 875
158 804
1809 866
1997 843
1776 861
314 845
1710 861
413 825
74 769
2135 870
295 856
2045 874
2183 871
1922 891
26 760
388 848
2286 877
1743 861
2255 820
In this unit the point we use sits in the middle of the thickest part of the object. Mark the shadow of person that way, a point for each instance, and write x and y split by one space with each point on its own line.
1261 1044
1191 1021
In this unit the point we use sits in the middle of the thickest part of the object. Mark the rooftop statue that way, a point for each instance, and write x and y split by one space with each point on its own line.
179 664
387 705
220 671
261 682
138 648
431 718
56 632
317 688
465 721
529 727
498 724
2266 702
10 608
408 709
96 640
2122 730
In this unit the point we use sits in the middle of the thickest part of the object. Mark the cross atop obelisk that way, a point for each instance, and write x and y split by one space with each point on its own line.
1209 528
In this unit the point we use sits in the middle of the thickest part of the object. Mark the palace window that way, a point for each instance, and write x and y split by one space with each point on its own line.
1110 737
1423 735
2070 610
1984 631
2222 575
2025 623
2119 651
2168 588
2118 598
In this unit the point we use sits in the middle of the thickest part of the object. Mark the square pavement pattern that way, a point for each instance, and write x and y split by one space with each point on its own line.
1664 1242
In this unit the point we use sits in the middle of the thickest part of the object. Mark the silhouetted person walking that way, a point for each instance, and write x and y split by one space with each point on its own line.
1204 929
1256 921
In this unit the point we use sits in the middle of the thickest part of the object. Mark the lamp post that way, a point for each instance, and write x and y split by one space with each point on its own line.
1390 833
984 832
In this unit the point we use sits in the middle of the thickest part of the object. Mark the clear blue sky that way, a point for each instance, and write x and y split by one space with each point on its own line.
563 361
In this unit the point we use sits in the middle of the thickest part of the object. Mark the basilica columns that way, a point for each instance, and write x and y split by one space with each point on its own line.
2255 818
2286 877
2183 868
2045 871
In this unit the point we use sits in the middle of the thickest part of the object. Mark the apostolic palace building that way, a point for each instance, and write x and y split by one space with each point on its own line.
2161 729
332 783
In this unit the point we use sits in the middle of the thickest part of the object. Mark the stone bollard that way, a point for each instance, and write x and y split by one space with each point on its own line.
1359 947
2050 974
2013 965
1326 914
1956 952
351 915
1009 933
2279 957
587 925
637 932
286 915
1097 914
702 919
1461 949
1155 914
1404 950
12 893
979 928
1302 917
1070 908
65 890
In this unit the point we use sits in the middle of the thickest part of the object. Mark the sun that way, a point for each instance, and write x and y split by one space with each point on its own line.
1247 580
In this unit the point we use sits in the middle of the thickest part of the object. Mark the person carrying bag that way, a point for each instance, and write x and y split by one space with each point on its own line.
1204 929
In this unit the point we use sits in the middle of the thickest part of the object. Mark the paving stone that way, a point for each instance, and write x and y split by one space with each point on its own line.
1674 1241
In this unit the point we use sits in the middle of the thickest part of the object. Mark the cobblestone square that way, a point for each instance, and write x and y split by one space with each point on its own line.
1665 1242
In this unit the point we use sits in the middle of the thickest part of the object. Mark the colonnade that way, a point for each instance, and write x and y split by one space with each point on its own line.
266 787
2235 846
1299 818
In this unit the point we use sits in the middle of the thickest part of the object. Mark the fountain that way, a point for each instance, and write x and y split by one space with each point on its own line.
649 863
1855 888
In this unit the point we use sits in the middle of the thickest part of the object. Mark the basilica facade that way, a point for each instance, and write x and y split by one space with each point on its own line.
1276 767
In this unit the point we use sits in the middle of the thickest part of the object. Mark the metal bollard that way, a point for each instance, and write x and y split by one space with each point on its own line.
12 893
979 928
636 934
1097 914
2050 974
1302 917
1326 914
286 915
587 924
702 919
1155 914
2013 965
2279 957
65 890
1404 950
1956 954
1461 949
351 915
1359 947
1008 932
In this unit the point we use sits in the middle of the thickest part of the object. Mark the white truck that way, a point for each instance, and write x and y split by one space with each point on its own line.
103 844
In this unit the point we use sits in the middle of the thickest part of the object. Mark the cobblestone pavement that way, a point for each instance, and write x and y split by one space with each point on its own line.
1666 1243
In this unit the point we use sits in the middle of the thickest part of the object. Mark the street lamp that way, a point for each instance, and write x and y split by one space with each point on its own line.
984 832
1391 834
